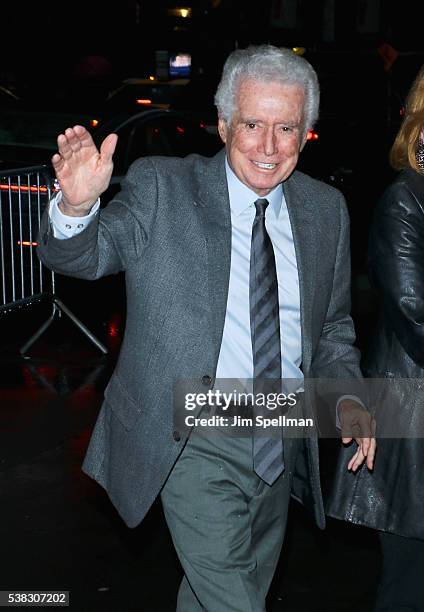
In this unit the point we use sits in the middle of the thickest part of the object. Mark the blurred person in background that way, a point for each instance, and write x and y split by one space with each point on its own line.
391 498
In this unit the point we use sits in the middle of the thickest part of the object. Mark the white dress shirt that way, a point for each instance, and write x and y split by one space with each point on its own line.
65 226
236 357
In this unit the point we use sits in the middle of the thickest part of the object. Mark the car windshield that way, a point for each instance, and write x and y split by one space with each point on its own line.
36 129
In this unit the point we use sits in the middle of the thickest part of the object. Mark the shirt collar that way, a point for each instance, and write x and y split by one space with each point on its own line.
241 197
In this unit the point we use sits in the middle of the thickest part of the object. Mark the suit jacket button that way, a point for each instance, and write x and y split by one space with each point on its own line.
206 379
176 435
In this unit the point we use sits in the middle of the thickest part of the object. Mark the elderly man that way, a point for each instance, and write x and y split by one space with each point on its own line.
236 267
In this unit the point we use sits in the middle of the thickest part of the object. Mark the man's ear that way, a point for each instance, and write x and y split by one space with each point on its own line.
222 129
304 140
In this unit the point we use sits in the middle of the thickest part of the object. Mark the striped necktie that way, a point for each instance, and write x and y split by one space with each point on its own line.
268 458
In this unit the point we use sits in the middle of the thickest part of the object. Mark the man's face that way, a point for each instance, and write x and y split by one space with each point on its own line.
266 133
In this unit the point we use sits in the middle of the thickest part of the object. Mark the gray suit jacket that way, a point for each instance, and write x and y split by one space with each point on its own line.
169 229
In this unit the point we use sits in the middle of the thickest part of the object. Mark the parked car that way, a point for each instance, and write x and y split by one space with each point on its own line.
135 93
194 96
154 132
28 138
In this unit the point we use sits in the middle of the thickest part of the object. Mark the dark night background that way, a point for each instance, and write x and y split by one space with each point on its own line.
366 53
42 43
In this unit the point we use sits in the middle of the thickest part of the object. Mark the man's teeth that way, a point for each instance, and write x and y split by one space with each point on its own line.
267 166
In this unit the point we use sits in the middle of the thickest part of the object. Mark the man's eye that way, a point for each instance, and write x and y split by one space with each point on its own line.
250 126
285 128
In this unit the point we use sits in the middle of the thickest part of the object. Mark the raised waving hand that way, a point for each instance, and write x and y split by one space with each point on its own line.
83 172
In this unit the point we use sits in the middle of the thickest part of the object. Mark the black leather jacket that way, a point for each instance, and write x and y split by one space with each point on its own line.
391 498
396 259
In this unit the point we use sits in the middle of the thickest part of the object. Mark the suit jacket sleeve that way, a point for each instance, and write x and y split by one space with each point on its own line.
115 237
335 356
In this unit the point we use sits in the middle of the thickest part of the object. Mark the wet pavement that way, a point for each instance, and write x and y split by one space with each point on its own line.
60 532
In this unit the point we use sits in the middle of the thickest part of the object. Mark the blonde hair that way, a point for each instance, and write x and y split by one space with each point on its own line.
404 149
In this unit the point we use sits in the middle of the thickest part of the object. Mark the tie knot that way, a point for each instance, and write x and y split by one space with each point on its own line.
261 205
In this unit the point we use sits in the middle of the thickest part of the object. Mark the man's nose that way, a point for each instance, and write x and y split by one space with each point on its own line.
269 142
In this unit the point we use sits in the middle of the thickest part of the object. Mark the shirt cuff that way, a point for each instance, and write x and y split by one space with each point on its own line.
344 397
65 226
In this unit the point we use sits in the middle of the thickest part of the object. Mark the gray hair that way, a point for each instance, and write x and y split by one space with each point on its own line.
269 64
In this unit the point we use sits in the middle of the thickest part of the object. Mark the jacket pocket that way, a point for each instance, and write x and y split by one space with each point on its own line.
122 405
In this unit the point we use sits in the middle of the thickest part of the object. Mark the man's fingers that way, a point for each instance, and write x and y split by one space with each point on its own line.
73 140
371 454
108 146
84 136
81 132
78 137
351 462
57 162
65 150
356 460
364 443
365 451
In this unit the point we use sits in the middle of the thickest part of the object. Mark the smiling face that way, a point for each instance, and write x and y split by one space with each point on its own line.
266 133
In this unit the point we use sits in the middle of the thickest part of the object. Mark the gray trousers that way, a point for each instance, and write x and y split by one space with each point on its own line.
227 525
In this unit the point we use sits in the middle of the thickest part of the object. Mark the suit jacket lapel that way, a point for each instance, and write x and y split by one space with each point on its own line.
301 213
214 209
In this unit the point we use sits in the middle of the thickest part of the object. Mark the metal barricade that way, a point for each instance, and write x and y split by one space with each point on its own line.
24 194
